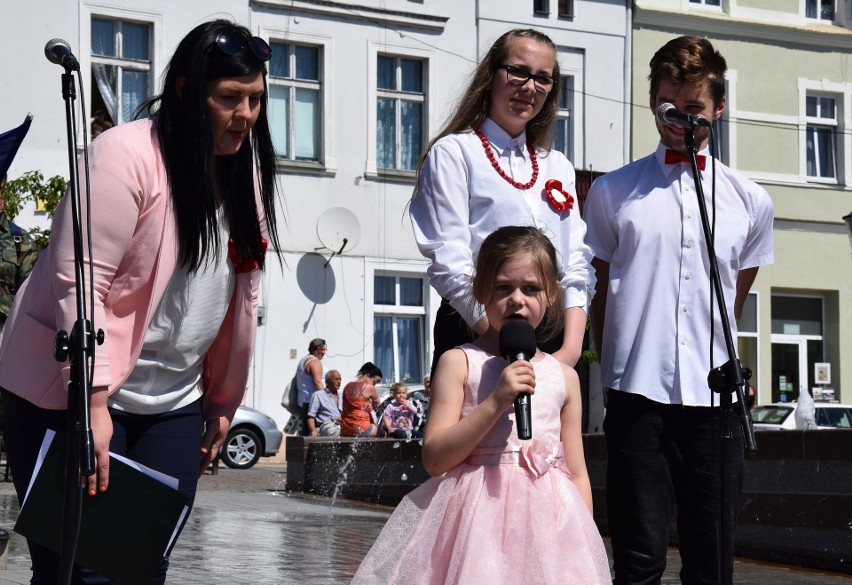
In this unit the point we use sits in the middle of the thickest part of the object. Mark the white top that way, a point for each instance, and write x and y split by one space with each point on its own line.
167 375
305 381
461 199
644 220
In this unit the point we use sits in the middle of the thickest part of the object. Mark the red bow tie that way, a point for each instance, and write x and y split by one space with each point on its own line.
673 157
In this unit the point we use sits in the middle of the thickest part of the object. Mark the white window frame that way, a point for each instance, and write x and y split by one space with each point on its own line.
571 64
291 84
842 92
406 269
374 49
568 114
396 311
327 162
819 11
824 123
801 339
154 20
704 4
755 367
399 96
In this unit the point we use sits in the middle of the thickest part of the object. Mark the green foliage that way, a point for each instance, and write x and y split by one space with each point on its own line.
32 186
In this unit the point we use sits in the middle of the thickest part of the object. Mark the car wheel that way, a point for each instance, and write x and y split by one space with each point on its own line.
242 449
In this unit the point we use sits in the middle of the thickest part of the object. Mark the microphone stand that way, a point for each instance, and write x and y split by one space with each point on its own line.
79 347
729 377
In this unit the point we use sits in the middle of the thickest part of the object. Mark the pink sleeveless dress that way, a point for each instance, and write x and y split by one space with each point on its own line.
509 514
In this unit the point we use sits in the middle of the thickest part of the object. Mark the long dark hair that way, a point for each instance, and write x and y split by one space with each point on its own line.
369 369
186 139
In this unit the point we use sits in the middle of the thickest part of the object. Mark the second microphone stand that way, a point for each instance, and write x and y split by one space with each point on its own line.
730 377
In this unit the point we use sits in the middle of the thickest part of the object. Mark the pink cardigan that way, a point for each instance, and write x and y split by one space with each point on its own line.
134 248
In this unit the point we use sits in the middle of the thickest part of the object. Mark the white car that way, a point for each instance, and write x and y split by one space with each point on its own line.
780 416
252 435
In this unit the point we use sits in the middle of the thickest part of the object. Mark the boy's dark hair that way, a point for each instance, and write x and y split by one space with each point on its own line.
689 59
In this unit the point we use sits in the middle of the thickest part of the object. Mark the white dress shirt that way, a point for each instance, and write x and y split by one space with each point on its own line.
461 199
644 220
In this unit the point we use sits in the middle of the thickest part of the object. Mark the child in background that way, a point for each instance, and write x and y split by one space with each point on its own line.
398 417
499 510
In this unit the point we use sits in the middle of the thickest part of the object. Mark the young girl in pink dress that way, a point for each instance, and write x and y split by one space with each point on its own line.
497 509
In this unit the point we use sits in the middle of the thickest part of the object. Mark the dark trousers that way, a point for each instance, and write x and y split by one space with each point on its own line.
306 431
451 331
168 442
661 456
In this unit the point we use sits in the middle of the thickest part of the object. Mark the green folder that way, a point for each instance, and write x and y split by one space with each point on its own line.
125 532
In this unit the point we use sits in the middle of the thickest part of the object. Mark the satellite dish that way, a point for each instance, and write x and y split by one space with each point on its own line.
338 229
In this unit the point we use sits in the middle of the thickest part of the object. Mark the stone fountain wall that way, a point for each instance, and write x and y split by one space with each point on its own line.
796 507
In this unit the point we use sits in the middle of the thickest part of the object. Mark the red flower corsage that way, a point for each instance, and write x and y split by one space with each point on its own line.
241 265
559 199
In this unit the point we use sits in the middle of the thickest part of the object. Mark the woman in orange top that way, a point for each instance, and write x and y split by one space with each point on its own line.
359 400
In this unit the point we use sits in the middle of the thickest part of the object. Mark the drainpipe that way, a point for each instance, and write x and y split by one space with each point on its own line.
628 78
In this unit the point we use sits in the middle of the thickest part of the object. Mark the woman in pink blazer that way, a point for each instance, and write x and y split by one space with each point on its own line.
180 206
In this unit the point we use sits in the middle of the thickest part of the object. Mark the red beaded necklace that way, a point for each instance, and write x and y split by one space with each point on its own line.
490 154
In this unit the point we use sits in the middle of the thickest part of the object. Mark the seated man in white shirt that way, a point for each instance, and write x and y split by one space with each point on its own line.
324 408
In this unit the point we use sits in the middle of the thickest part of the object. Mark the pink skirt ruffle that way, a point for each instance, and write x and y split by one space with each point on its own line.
489 525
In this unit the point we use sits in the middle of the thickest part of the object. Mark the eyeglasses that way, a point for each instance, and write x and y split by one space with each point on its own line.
231 43
518 76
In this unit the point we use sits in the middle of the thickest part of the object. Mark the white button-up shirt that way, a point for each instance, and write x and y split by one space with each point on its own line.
644 220
461 199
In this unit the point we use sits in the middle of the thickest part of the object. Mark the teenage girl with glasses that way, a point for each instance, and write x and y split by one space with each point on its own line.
492 166
182 205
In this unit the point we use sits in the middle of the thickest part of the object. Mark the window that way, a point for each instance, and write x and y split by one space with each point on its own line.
747 340
541 7
121 69
399 112
295 101
839 417
565 117
399 319
707 2
821 137
566 8
820 9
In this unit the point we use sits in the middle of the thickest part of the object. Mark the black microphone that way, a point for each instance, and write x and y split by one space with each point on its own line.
668 114
517 342
59 52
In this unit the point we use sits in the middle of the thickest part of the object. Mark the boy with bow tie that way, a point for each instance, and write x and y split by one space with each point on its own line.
652 318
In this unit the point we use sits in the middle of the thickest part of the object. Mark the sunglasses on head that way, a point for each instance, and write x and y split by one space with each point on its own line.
231 43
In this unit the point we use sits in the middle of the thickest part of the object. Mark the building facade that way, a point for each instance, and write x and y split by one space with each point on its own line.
356 90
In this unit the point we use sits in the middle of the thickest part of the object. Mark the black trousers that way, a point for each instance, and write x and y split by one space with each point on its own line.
169 442
661 456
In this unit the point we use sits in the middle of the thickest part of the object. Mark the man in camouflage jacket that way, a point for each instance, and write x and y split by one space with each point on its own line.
17 257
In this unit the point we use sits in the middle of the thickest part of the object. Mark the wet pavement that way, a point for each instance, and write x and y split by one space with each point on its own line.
245 529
